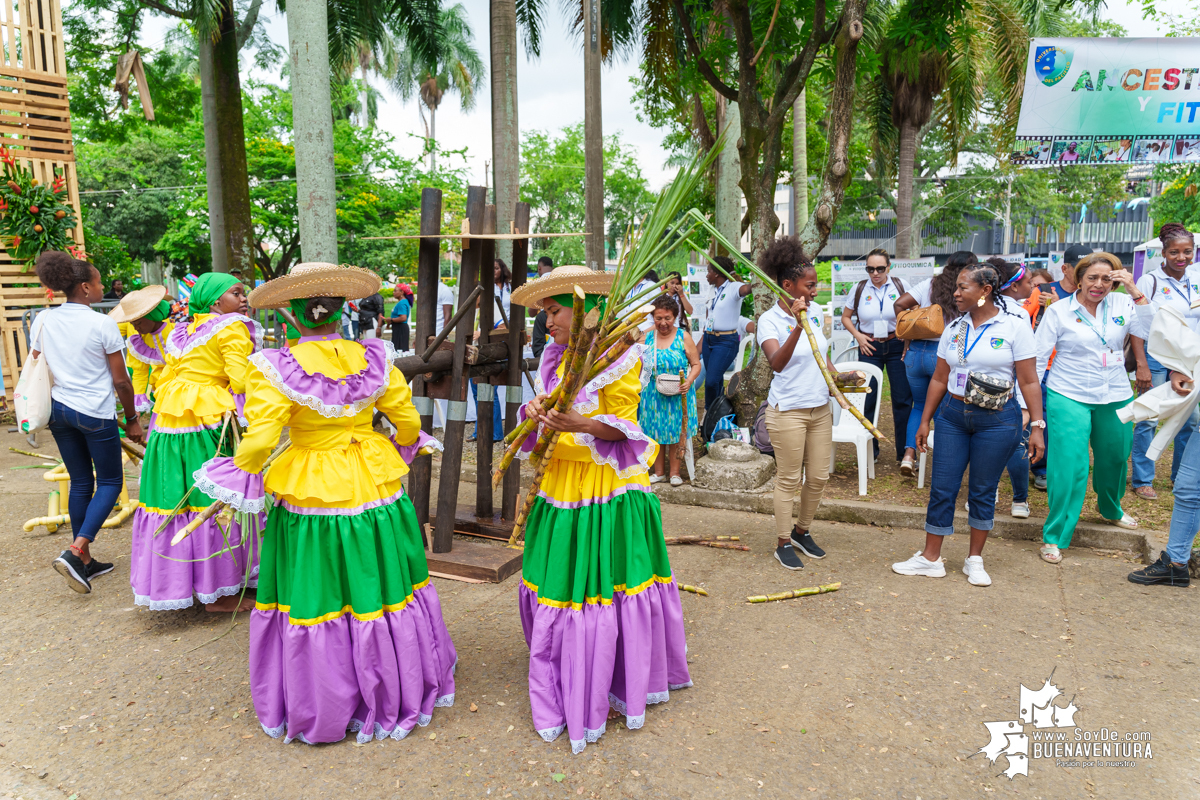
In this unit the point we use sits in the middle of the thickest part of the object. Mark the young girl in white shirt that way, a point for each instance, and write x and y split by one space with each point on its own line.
799 417
1084 389
979 425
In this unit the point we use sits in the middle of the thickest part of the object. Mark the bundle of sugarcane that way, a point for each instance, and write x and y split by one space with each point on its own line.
218 509
811 590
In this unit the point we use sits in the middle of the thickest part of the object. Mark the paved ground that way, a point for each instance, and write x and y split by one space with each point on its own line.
879 690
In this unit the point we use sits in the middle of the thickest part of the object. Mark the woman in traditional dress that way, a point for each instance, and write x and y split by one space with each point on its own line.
599 608
199 391
147 313
671 352
347 633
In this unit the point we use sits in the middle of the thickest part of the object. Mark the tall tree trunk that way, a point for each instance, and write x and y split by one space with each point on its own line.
728 211
212 157
800 161
231 146
364 98
593 142
904 189
506 140
312 129
432 139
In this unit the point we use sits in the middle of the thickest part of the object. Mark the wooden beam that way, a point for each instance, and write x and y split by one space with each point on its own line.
516 326
485 402
428 281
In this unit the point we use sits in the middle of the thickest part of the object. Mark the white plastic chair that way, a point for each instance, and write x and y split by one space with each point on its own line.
845 348
921 465
736 365
848 430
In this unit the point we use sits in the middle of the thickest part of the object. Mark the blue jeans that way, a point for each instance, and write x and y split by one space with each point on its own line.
85 442
919 363
1018 468
969 436
1185 518
1143 434
889 355
718 353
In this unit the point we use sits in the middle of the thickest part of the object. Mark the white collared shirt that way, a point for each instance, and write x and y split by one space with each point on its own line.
1161 289
1089 364
800 383
992 349
876 313
724 308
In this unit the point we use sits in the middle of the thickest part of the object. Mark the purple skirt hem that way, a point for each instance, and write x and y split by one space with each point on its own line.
166 578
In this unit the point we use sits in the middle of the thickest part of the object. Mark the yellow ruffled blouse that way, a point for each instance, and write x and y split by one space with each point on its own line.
194 389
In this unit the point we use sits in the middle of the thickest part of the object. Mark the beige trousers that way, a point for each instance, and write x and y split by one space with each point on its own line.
802 440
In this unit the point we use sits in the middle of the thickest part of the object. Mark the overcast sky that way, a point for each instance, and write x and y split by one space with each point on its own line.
550 91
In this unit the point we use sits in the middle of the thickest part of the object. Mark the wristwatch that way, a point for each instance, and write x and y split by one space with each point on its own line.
1038 423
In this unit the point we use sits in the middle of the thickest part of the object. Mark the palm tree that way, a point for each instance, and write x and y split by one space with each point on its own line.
454 66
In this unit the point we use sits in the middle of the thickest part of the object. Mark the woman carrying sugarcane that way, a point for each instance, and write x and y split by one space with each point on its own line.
599 606
198 395
347 633
147 313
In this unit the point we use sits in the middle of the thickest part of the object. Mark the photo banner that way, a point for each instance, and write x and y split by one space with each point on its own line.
1110 101
845 275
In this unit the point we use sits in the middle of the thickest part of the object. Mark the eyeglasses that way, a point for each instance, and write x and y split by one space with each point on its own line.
877 269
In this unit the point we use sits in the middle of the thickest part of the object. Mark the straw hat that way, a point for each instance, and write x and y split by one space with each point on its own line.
138 304
562 280
316 279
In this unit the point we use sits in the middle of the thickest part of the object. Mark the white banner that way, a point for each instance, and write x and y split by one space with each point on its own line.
845 276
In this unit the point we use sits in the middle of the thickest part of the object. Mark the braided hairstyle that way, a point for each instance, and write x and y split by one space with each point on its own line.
1172 231
62 272
784 260
318 310
941 289
987 274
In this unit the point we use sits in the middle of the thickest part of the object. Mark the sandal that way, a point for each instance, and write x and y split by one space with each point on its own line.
1146 492
1050 554
1126 521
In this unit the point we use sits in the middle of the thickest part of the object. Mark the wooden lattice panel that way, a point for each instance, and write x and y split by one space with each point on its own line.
35 123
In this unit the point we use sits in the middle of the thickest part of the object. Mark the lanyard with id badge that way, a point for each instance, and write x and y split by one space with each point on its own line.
879 327
712 309
1108 356
977 388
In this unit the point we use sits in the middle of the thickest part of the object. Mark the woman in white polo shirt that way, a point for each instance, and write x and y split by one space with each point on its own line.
799 418
1084 389
980 359
872 302
920 357
719 347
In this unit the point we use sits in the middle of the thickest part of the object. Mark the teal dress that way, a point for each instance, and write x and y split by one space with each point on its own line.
660 416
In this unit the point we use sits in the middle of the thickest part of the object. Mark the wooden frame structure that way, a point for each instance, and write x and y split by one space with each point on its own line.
35 123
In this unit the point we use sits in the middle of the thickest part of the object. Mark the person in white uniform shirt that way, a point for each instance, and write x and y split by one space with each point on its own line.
445 307
1175 283
920 357
1084 389
719 347
978 426
799 418
873 303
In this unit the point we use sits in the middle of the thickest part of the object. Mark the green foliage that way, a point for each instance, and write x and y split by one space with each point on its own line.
34 217
111 258
1180 198
552 184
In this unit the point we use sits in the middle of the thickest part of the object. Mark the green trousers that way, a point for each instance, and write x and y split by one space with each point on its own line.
1072 426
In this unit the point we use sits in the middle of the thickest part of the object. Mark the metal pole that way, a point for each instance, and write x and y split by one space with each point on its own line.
516 327
428 262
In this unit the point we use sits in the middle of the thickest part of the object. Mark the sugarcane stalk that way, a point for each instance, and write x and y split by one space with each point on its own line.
723 545
811 590
687 587
694 539
35 455
219 507
854 377
833 387
630 325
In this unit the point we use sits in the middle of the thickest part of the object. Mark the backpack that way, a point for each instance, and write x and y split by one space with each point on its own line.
862 285
713 415
759 433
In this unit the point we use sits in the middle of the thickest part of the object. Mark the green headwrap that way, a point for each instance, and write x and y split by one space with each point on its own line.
208 290
568 301
160 312
298 306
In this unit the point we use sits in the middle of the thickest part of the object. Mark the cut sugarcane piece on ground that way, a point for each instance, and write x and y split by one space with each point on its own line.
687 587
811 590
854 377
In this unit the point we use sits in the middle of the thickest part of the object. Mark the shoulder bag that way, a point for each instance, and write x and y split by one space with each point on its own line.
669 384
920 323
982 390
31 397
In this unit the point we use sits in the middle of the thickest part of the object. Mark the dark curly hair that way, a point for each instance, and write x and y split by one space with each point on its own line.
317 310
664 302
62 272
1171 231
784 260
941 289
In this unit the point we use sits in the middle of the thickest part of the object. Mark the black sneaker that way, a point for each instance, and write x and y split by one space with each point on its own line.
97 567
1162 571
71 567
787 556
805 544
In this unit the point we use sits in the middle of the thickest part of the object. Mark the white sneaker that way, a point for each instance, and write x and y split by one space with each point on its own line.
919 565
976 574
657 478
676 480
1020 510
